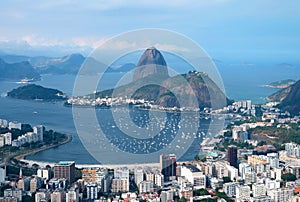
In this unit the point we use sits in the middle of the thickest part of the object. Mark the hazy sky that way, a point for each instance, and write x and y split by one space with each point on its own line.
219 26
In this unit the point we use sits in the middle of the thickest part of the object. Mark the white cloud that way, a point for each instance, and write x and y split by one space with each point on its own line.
137 45
3 39
171 48
83 41
35 40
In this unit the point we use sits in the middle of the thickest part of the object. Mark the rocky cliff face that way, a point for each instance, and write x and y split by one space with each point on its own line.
289 98
151 63
193 89
291 101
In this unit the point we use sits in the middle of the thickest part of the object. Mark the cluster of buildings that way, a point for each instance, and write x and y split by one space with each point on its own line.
5 139
259 176
30 137
244 106
107 101
256 180
292 150
274 115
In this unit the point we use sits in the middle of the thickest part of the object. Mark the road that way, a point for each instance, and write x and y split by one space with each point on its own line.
21 154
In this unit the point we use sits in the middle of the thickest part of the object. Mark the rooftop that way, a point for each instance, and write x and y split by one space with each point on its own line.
65 163
193 168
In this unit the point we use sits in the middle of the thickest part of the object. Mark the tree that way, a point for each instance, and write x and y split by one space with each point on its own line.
223 195
201 192
35 166
25 128
288 177
261 143
3 187
227 134
226 179
28 198
196 158
209 200
182 199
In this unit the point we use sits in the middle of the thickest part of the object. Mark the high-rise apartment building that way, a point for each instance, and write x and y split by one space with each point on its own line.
39 130
65 169
168 166
232 156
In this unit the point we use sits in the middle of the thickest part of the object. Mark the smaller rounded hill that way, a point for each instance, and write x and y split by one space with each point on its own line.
37 92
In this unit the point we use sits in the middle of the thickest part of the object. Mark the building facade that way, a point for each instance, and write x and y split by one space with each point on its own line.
168 166
65 169
232 156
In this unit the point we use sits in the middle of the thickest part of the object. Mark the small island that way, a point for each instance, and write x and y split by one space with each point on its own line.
37 92
281 84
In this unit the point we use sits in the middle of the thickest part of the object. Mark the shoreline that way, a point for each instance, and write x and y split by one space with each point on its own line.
22 156
80 166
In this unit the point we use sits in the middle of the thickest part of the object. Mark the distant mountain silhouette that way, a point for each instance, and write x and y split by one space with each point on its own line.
18 71
124 68
281 84
66 65
69 64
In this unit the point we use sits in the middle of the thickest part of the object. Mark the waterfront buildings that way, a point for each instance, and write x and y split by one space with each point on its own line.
168 166
29 137
5 139
120 185
65 169
93 175
194 175
43 173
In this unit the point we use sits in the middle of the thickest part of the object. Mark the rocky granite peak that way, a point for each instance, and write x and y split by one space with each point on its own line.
151 63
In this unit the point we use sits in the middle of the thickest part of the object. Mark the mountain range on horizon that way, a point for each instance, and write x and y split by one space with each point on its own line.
69 64
18 71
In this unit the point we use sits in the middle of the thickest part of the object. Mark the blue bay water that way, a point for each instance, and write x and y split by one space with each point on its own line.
241 82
